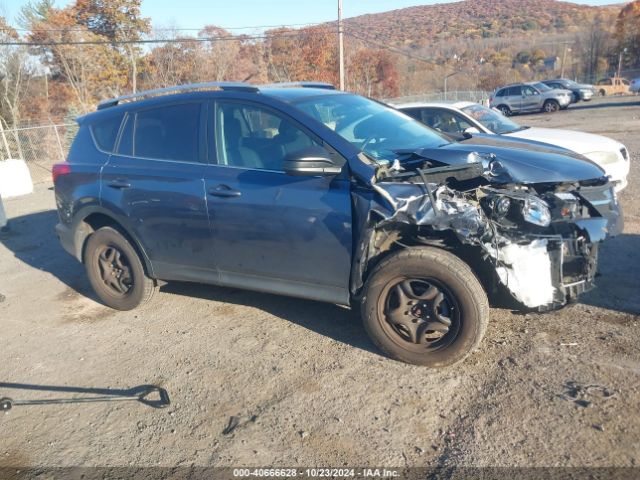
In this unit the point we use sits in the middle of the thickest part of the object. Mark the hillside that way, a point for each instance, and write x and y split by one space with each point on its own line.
424 25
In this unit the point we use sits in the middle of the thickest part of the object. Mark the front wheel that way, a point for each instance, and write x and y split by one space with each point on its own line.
551 106
506 111
426 307
115 270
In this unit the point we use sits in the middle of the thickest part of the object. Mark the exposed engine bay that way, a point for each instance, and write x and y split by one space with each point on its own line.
538 240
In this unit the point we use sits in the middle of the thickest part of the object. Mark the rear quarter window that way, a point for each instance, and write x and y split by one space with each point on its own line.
105 132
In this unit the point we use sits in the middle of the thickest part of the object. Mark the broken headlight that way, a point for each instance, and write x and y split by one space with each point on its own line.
536 211
516 207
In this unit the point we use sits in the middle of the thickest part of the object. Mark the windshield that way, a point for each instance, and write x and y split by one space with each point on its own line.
374 128
494 121
542 87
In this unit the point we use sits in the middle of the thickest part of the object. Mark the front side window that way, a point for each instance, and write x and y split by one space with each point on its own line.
494 121
250 136
169 132
374 128
542 87
444 121
529 91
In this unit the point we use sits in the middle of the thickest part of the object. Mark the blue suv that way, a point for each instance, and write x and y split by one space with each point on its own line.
302 190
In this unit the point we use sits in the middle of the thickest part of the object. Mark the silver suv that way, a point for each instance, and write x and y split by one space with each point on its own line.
530 97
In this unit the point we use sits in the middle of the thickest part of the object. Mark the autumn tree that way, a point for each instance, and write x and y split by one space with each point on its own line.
174 63
220 53
305 54
373 73
627 33
15 75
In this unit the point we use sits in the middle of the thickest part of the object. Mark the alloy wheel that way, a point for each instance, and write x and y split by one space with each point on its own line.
420 314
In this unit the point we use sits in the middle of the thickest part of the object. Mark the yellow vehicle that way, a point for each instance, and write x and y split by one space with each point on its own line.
612 86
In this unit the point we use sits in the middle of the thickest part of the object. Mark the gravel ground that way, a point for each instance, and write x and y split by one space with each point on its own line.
306 386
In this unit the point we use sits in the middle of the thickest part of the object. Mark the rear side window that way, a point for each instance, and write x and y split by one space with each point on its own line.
500 93
514 91
105 132
169 132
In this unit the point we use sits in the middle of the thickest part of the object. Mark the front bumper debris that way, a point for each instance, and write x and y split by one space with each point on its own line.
543 268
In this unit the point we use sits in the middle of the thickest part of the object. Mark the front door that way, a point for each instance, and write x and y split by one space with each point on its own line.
530 98
271 231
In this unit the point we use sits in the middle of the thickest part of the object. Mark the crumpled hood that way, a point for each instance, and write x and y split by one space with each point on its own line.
579 142
525 163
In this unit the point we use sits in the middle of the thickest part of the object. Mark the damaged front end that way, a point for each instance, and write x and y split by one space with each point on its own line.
537 239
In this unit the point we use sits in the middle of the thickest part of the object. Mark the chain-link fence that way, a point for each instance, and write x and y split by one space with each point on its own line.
477 96
40 147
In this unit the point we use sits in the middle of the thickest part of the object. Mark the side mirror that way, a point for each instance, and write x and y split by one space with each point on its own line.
310 161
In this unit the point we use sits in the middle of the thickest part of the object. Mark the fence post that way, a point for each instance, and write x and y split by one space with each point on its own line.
55 129
3 217
4 140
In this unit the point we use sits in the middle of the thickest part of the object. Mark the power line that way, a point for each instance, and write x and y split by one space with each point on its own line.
168 40
163 29
391 49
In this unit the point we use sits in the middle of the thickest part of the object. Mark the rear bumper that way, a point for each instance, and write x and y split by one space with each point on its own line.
68 240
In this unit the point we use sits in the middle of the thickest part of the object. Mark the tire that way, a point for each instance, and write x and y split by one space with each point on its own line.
408 336
115 270
550 106
505 110
602 93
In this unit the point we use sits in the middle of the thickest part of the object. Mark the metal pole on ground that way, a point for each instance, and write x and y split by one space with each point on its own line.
3 217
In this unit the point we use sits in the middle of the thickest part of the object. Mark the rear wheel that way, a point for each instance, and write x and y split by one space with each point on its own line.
115 270
602 93
551 106
506 111
426 307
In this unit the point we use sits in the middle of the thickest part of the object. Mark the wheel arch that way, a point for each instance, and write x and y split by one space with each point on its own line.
95 218
389 242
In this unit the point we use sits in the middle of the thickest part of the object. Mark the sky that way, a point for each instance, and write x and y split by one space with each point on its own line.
252 13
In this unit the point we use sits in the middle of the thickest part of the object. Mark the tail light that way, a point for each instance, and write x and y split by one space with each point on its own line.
60 169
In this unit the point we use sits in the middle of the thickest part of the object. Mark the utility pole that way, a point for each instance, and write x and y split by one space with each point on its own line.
620 62
445 82
341 44
564 58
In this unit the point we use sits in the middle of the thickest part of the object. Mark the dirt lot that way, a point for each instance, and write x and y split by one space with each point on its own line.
307 386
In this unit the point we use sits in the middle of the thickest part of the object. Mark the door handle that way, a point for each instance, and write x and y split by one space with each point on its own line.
224 191
119 183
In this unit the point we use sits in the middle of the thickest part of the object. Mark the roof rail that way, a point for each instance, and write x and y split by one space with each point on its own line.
326 86
237 86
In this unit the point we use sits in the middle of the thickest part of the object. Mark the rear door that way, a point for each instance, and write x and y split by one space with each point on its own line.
514 98
274 232
155 183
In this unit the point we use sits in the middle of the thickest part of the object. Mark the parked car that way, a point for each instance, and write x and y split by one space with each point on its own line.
580 91
320 194
529 97
463 118
634 85
612 86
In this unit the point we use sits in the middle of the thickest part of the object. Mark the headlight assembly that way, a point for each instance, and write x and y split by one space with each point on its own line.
536 211
603 158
